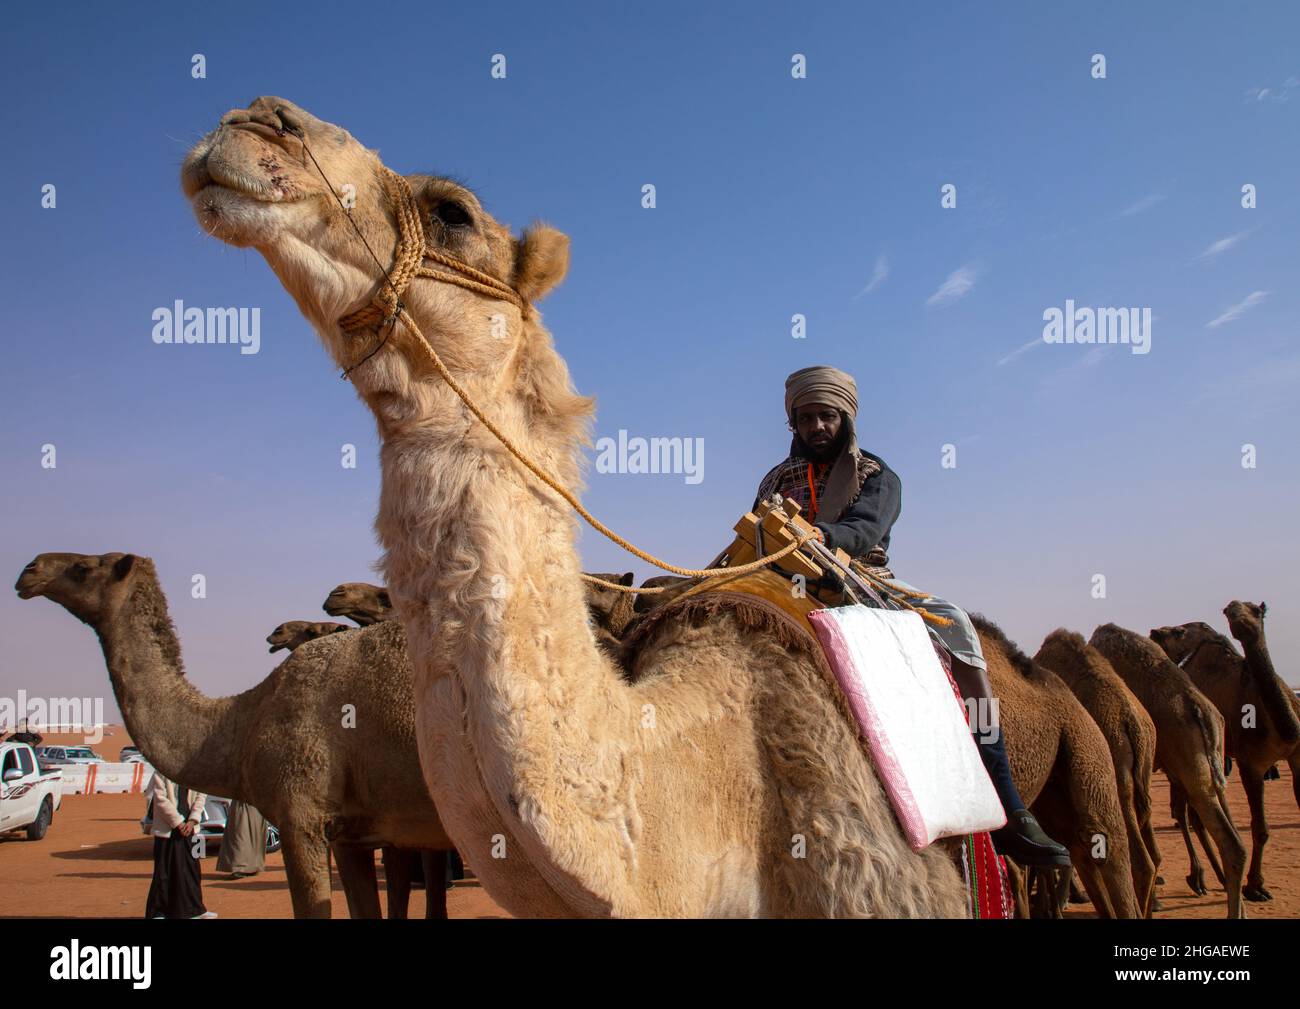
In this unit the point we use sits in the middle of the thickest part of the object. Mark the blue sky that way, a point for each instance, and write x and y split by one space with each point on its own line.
775 196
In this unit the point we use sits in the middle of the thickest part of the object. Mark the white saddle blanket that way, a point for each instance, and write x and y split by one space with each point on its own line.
912 721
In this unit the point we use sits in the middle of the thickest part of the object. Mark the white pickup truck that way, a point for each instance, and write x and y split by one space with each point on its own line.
28 795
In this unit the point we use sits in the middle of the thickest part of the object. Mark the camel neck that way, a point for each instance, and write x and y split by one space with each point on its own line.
190 738
480 563
1269 686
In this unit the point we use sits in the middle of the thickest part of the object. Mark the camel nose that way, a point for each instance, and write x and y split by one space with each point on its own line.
278 114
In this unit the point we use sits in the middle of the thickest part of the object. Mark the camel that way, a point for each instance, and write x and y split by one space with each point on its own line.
726 776
1062 767
292 633
1189 744
357 865
324 746
362 603
1259 713
1131 736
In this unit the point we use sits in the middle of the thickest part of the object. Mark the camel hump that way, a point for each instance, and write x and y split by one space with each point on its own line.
761 601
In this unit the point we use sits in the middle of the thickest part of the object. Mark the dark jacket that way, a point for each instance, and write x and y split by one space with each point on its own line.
863 530
867 522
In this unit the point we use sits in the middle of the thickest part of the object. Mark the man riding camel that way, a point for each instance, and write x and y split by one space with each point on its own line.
853 499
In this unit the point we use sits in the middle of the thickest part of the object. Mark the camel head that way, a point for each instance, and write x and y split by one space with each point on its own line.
360 602
284 636
1246 620
1178 641
293 633
252 182
602 601
92 588
609 610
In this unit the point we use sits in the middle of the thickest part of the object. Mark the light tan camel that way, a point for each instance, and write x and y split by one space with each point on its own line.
324 746
1189 742
1062 768
574 792
1260 725
357 861
362 603
1131 736
292 633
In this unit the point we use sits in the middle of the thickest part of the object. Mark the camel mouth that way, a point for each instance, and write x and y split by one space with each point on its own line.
28 587
247 159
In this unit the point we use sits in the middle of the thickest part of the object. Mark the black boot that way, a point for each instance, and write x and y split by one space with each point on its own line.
1024 841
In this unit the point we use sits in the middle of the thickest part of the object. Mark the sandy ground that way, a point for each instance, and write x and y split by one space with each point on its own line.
94 862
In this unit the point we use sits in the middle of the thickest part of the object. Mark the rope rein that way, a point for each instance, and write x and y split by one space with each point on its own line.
386 310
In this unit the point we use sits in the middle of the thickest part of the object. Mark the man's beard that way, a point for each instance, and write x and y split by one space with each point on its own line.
829 453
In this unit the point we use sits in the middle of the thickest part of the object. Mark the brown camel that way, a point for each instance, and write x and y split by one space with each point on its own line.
1131 735
362 603
357 862
1260 726
292 633
728 779
324 746
1063 770
1189 743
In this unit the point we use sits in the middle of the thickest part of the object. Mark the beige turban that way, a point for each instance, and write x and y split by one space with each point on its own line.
824 384
821 384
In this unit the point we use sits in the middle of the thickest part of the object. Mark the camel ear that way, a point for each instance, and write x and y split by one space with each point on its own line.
123 567
541 261
1263 609
628 579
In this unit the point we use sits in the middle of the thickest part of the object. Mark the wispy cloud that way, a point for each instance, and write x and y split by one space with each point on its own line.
1238 310
1259 389
959 284
1222 245
1035 342
1276 94
878 275
1146 203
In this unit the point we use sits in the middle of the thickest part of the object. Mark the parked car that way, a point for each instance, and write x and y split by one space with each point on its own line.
212 827
57 756
29 794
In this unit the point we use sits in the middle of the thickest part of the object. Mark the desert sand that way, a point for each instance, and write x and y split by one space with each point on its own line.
96 863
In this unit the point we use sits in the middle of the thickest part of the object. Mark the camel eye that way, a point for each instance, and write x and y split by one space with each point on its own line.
452 214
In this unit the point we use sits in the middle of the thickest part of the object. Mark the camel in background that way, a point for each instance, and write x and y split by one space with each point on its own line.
1189 742
1131 735
324 746
1259 714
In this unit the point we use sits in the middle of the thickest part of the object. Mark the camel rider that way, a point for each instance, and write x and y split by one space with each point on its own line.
853 499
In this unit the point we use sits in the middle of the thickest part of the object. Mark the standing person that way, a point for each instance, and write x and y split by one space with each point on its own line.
176 891
243 845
